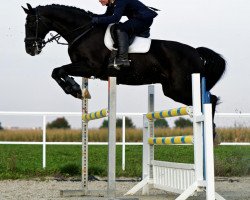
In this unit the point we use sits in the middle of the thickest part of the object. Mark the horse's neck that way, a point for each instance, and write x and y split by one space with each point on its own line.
63 24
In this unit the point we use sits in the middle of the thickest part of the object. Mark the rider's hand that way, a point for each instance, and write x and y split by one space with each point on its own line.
94 20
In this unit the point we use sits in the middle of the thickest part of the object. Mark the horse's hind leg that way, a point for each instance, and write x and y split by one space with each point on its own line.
214 101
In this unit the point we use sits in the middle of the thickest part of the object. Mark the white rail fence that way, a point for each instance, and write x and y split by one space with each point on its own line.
44 116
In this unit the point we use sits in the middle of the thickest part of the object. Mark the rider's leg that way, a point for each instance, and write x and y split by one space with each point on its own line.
122 33
123 44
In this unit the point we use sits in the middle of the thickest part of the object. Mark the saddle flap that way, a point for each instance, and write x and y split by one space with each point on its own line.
139 45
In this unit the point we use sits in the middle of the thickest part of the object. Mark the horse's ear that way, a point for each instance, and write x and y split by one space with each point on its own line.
26 10
30 10
29 7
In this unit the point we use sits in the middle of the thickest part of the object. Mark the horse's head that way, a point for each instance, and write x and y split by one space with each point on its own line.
36 31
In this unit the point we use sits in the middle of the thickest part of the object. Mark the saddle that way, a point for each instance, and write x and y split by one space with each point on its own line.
137 44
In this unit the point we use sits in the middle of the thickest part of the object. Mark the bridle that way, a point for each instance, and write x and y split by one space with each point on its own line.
39 43
36 41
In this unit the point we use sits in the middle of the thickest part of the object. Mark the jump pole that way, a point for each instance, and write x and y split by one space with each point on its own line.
111 187
111 113
112 136
196 180
85 97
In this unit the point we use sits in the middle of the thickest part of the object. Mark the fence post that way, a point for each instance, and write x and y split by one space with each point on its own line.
209 152
148 150
197 128
44 141
123 142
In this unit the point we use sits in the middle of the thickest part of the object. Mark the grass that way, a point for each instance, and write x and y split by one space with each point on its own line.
239 134
232 161
25 161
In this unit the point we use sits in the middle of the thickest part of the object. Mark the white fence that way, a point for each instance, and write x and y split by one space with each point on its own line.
44 116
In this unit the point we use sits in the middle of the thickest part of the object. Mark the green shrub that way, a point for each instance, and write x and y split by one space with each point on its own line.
183 123
60 122
128 123
1 128
161 123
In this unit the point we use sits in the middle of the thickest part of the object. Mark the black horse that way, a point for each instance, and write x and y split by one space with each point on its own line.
167 62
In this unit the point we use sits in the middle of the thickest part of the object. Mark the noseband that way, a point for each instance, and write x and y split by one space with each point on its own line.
40 43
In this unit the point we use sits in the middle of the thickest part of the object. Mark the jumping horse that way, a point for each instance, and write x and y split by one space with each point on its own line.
169 63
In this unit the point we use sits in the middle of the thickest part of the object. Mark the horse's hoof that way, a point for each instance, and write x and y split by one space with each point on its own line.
86 94
79 96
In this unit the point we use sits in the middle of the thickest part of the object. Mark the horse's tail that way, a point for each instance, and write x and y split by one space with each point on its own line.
214 64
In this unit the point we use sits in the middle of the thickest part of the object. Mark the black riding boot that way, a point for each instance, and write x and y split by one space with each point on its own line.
121 59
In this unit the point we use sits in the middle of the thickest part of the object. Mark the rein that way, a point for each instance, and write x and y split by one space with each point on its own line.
37 40
57 37
88 28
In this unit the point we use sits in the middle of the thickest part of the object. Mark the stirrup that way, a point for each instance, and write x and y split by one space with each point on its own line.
122 62
112 65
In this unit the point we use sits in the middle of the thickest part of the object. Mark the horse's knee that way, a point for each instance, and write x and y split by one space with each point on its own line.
54 74
58 73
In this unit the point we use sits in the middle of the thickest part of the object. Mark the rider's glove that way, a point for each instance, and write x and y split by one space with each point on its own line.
94 20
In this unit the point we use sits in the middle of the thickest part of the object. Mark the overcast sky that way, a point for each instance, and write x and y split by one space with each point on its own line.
26 83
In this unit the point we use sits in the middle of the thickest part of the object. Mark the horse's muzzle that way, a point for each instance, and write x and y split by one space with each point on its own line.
33 47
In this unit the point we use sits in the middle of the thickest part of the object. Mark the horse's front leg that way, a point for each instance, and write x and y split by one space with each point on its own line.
67 83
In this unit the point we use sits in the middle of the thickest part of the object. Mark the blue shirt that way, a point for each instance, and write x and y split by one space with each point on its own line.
133 9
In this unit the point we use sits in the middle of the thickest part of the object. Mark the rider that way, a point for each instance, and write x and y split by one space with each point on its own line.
140 18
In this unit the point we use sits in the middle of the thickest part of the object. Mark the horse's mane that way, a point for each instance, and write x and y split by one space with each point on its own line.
76 10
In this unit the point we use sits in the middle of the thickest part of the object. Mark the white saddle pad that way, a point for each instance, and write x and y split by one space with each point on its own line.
139 45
